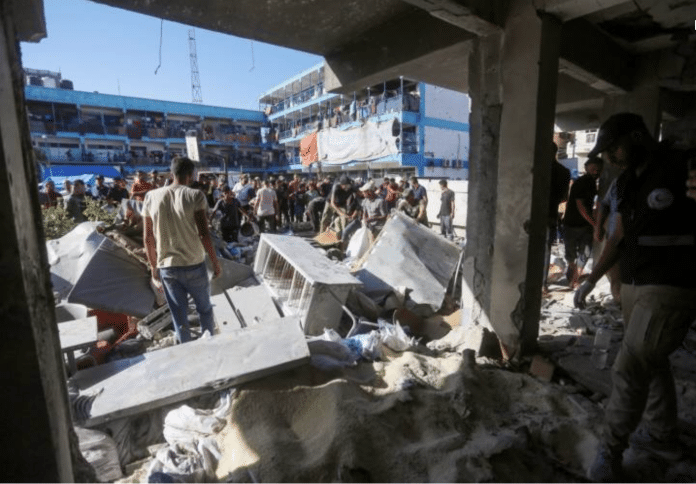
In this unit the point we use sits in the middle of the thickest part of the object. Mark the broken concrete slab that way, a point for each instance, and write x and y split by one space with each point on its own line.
77 334
225 317
152 380
252 305
410 255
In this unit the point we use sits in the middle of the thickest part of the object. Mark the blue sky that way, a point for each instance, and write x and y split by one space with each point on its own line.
100 48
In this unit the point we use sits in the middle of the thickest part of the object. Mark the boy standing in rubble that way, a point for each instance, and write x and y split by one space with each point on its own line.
176 240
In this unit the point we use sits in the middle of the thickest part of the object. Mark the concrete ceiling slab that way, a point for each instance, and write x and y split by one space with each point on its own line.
315 26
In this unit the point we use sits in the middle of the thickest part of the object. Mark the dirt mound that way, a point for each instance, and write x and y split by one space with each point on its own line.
412 418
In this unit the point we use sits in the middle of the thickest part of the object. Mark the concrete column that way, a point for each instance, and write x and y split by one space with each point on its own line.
513 102
35 419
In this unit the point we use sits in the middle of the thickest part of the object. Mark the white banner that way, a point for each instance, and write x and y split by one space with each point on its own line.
369 141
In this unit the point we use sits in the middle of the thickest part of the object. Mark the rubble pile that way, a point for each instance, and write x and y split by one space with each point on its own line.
323 370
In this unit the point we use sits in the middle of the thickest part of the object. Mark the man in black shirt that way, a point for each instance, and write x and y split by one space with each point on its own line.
560 179
578 223
655 244
338 204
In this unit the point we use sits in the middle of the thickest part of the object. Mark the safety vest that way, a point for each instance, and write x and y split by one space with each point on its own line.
659 222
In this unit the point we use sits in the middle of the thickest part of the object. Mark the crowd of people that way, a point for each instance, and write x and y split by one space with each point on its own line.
341 205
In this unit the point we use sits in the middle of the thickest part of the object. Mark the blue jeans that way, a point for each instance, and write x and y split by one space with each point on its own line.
446 228
178 283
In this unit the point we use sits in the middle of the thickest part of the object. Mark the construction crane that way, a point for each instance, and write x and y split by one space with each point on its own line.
195 78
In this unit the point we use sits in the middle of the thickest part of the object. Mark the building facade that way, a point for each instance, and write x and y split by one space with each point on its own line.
70 127
397 127
406 127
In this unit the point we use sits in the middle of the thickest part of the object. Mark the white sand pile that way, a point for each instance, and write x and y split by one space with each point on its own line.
411 418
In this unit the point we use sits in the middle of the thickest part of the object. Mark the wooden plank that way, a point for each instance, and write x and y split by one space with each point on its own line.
225 316
253 304
78 333
170 375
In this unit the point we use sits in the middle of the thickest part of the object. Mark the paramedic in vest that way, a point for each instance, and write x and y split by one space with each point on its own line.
176 240
654 244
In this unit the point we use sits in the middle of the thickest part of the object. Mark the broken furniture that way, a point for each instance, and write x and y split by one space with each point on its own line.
303 281
77 335
134 385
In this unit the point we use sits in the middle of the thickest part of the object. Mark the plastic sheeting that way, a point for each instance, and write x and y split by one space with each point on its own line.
369 141
192 454
113 281
69 255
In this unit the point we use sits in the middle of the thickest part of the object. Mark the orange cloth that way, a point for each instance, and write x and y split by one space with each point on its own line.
308 149
139 187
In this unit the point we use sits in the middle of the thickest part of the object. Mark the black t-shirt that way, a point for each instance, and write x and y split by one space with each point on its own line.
229 211
560 179
659 222
583 189
340 196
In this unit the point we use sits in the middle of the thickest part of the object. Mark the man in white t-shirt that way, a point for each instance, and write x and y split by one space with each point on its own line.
266 207
176 240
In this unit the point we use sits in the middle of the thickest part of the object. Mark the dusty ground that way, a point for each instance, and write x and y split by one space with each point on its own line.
423 416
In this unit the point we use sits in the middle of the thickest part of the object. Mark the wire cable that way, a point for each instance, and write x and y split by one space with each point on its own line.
160 48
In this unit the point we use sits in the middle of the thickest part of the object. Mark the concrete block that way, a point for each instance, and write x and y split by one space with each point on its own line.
542 368
78 333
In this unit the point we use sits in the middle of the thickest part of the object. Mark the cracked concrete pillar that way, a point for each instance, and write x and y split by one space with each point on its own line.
35 419
513 79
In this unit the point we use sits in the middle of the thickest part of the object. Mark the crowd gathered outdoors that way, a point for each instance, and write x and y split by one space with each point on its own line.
341 205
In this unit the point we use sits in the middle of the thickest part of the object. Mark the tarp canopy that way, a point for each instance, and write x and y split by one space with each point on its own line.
59 181
55 172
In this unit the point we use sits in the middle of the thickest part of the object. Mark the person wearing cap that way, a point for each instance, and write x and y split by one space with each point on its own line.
373 210
339 202
140 186
578 222
416 209
100 191
446 213
654 242
117 192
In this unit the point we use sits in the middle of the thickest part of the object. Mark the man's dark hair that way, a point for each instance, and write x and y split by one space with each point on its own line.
594 160
443 182
414 179
79 182
182 167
